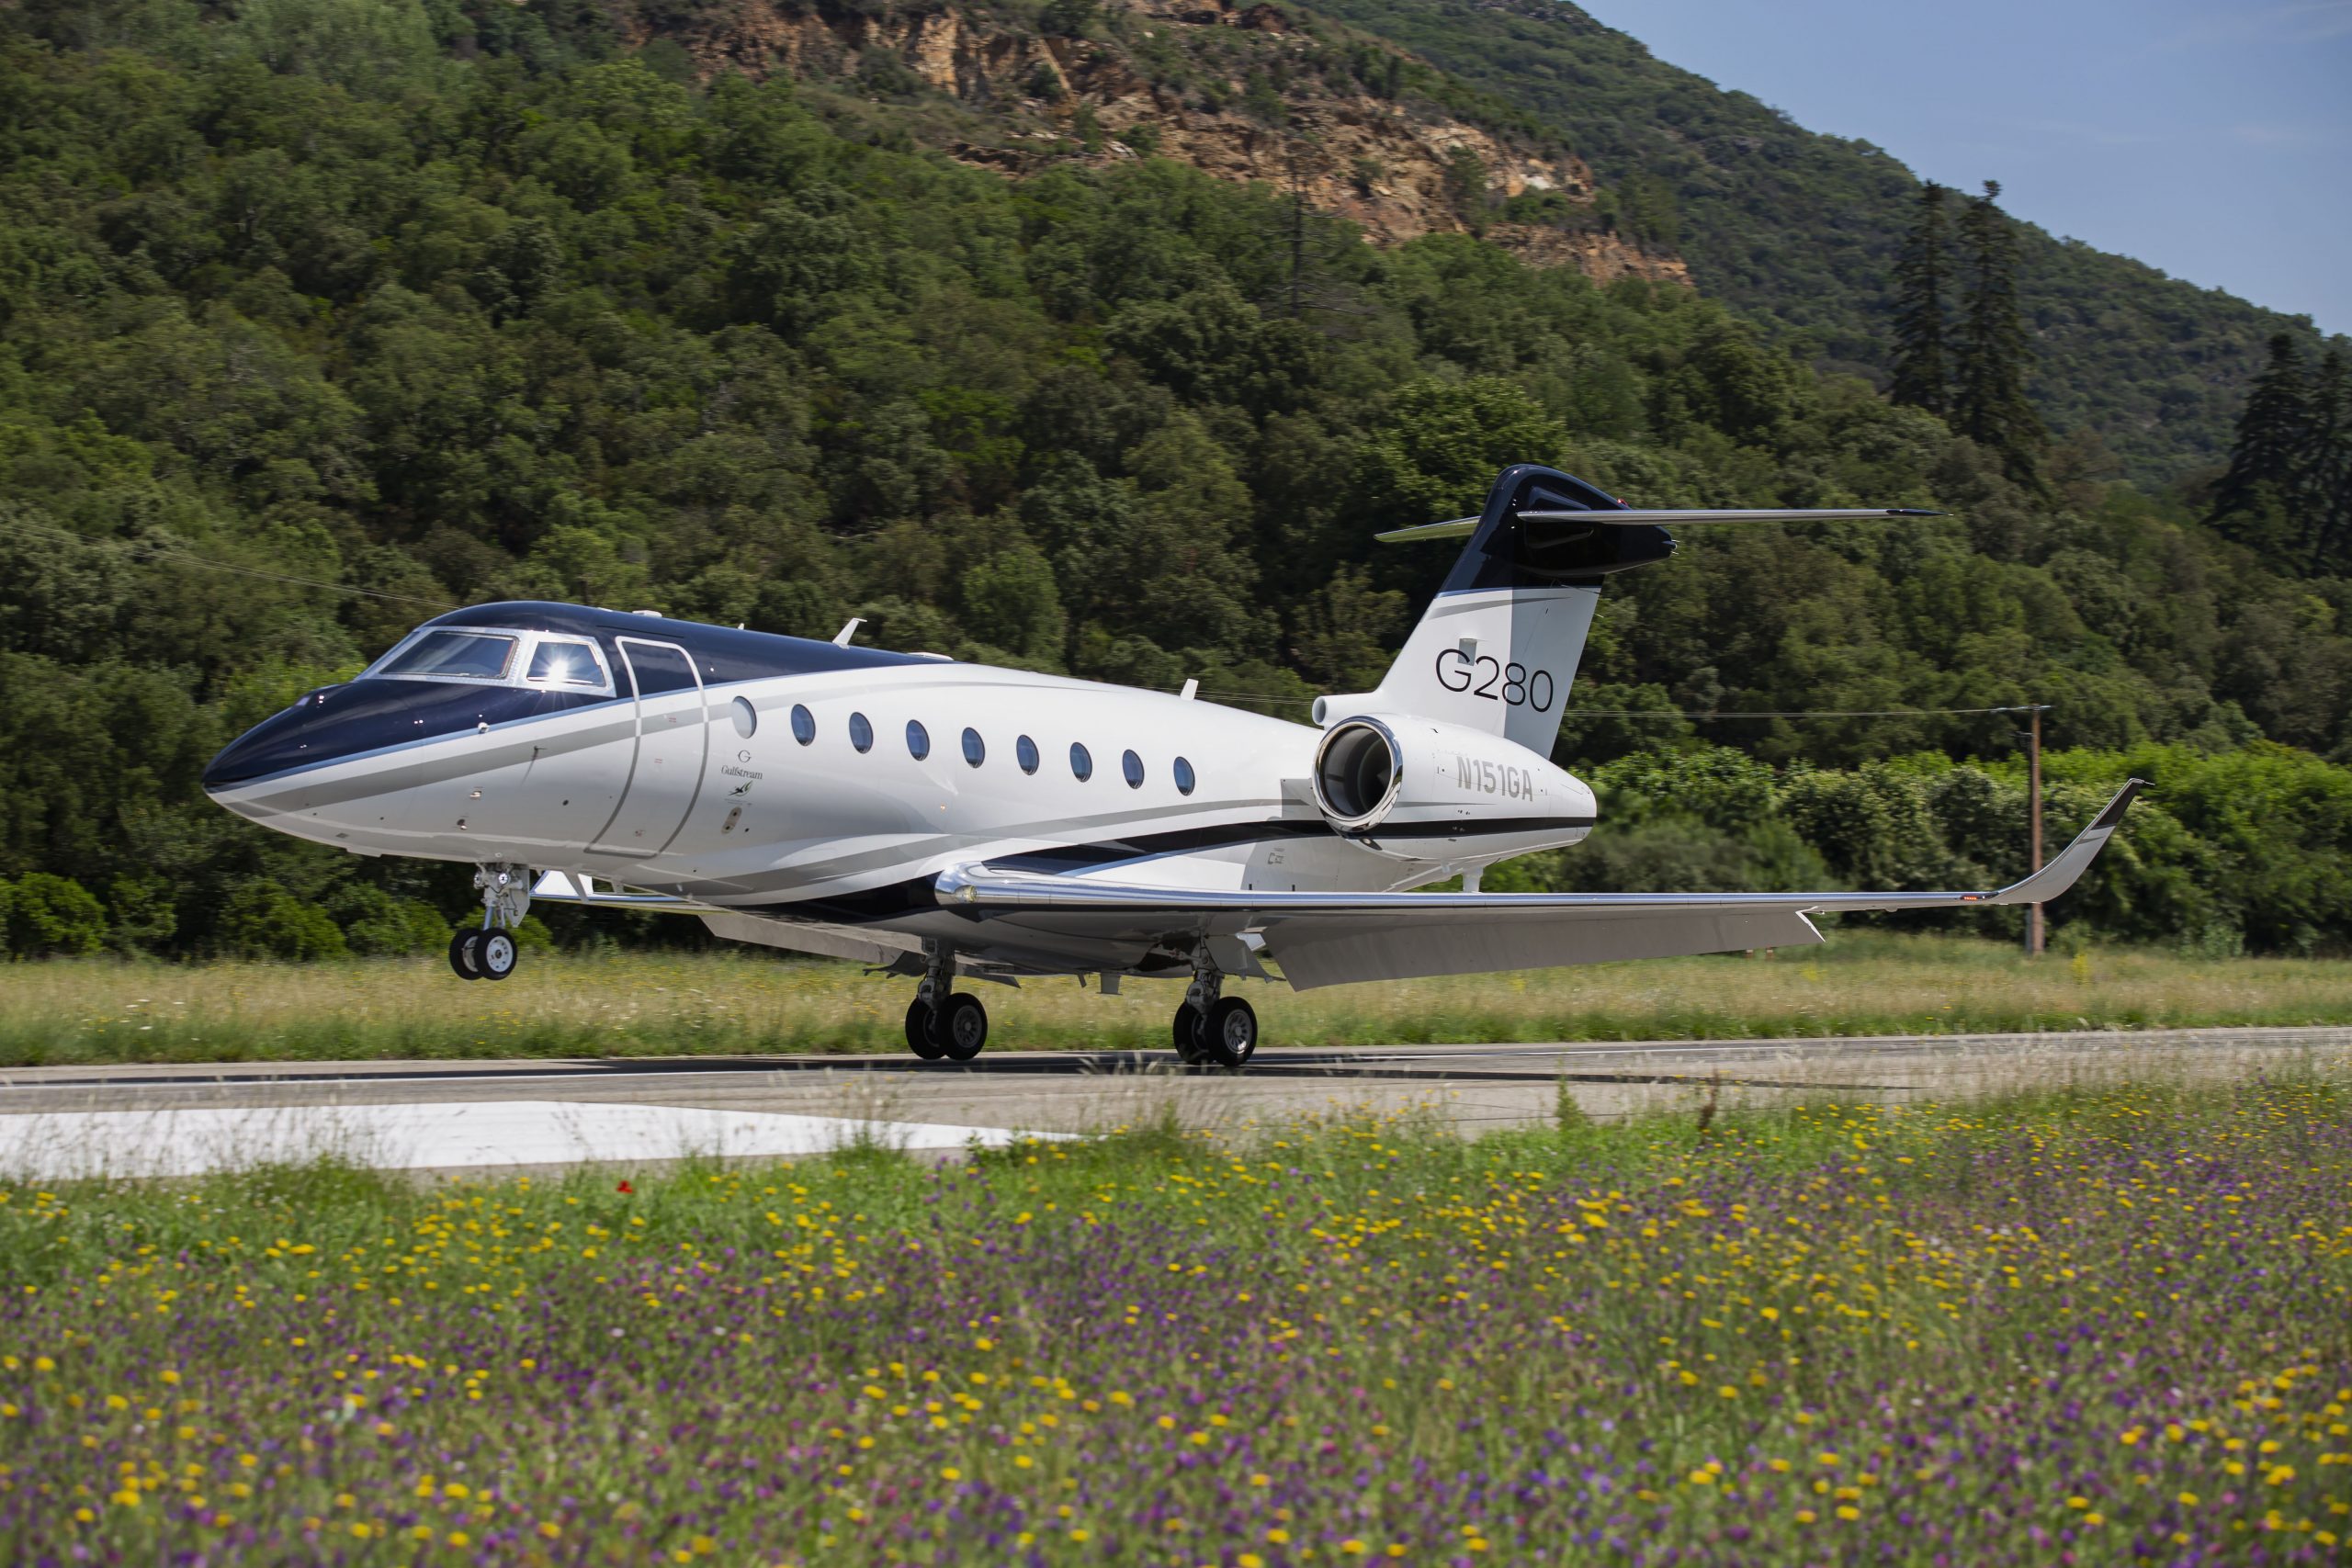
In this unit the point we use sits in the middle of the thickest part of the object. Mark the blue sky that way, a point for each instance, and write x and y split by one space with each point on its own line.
2212 140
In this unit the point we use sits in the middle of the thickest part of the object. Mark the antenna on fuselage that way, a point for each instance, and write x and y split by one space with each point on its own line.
849 630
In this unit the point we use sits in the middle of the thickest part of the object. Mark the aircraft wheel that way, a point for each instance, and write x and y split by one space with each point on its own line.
964 1030
919 1030
495 954
465 954
1230 1038
1187 1033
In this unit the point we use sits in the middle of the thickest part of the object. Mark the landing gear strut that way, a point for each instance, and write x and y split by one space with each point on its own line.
954 1030
489 953
1212 1029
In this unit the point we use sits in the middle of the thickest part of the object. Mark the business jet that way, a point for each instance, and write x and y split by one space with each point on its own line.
937 819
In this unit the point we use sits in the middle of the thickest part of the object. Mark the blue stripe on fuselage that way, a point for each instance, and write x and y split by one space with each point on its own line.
364 718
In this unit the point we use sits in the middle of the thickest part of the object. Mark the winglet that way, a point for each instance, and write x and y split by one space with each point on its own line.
2069 862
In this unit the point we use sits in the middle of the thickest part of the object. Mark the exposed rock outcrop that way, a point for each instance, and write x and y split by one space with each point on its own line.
1237 91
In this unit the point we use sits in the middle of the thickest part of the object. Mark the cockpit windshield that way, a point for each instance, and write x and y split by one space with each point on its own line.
453 656
496 657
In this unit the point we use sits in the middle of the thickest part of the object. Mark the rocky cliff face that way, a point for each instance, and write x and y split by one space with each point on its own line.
1243 92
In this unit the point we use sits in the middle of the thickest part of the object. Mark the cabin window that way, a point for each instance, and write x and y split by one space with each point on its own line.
561 662
804 724
1081 765
1132 766
746 716
918 739
1184 779
861 733
974 751
451 655
1025 750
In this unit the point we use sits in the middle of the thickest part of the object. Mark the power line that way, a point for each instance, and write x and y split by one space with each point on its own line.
150 550
1567 714
1776 712
153 551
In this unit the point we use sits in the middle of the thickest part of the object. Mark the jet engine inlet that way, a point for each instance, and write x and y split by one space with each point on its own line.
1357 770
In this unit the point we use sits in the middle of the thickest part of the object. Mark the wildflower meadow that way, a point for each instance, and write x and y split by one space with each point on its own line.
2099 1325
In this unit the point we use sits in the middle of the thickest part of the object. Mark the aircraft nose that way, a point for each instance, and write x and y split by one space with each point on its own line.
234 766
276 744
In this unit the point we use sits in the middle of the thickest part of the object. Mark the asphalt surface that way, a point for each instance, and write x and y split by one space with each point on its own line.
1470 1087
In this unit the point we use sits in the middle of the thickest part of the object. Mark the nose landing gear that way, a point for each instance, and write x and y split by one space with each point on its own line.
489 953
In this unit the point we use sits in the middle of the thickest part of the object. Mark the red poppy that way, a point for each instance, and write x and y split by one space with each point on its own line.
627 1188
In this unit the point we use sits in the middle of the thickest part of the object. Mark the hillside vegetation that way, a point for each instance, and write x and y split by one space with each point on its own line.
1799 228
319 316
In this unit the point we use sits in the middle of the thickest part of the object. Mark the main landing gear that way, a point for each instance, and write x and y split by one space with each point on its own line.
948 1025
489 953
952 1031
1213 1030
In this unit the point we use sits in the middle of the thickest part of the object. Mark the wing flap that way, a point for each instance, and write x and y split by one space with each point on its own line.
1315 953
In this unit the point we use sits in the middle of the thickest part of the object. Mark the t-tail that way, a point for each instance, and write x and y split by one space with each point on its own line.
1496 650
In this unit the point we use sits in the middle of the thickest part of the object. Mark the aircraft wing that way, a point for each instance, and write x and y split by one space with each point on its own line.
1329 939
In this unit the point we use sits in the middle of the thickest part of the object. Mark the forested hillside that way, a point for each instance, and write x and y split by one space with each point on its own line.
1799 229
319 315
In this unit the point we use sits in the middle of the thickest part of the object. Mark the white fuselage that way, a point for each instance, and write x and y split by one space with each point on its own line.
668 792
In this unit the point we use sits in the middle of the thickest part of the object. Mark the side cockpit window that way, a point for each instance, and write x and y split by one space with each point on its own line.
567 663
452 655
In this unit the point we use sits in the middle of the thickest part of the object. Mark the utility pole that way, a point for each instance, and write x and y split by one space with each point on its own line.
2031 735
2033 825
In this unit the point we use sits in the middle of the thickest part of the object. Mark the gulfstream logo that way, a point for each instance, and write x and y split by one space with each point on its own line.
1494 778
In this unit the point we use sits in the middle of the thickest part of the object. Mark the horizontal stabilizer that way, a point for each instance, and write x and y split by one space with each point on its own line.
1641 517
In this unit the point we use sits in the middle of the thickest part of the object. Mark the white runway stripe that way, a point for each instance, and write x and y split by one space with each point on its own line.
58 1145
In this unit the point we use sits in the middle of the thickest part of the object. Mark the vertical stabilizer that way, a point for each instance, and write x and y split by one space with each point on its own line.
1497 649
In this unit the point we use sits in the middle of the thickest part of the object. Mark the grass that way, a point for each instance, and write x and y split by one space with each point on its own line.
729 1003
2108 1326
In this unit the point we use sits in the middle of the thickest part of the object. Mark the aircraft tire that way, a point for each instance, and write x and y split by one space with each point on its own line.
1187 1033
495 954
964 1029
1230 1038
919 1030
465 954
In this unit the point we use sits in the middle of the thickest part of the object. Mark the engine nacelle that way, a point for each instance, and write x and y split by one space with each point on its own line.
1387 770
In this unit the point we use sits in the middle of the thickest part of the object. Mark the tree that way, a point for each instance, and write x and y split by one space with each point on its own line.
2324 467
2268 446
1922 379
1066 18
1990 405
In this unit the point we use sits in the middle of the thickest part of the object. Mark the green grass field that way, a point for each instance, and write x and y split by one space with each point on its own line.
2106 1326
749 1002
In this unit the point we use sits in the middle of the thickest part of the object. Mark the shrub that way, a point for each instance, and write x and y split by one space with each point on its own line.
54 915
376 922
143 914
263 919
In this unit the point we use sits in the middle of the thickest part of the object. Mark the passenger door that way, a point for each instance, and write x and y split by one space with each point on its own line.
673 742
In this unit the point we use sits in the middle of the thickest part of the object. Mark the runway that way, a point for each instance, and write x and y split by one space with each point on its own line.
460 1115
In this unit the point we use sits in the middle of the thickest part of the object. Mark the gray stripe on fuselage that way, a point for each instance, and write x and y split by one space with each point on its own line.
901 857
816 876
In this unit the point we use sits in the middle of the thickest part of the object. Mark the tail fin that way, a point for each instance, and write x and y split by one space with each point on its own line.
1498 647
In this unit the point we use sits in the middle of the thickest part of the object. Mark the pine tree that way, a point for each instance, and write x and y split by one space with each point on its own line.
1921 377
2323 483
1990 405
2267 455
